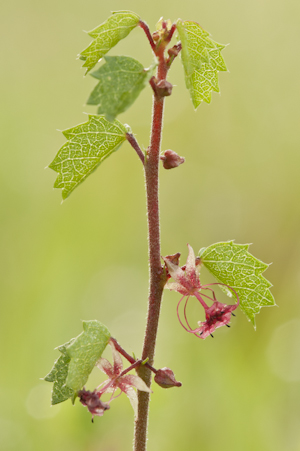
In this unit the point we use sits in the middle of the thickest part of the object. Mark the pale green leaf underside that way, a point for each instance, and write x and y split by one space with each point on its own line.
89 144
233 265
85 351
107 35
121 80
202 60
79 356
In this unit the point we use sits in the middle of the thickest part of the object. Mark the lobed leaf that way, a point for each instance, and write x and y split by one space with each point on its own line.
89 144
58 375
202 60
79 356
233 265
107 35
121 80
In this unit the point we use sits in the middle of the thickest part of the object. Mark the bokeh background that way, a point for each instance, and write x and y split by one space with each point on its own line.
87 258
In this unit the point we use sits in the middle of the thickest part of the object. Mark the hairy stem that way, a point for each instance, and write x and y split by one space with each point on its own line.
156 272
131 139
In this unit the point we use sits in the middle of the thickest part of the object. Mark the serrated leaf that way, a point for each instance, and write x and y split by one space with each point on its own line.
107 35
89 144
79 356
121 80
58 375
201 58
233 265
84 353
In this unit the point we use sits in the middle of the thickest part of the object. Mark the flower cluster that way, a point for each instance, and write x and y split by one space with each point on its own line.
187 283
117 379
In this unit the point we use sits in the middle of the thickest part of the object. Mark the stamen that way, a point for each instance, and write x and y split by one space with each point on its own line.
227 325
114 397
232 314
178 316
224 285
185 305
211 335
205 287
208 297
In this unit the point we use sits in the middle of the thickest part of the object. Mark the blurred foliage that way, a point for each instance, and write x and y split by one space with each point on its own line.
87 258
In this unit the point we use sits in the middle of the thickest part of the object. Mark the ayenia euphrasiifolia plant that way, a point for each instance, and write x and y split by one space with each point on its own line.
236 271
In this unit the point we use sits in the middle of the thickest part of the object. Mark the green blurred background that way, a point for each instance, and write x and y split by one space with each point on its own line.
87 258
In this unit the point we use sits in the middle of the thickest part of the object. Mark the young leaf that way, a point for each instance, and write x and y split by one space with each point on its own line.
121 81
79 356
107 35
233 265
89 144
58 375
201 58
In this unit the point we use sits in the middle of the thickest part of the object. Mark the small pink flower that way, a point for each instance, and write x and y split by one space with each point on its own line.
120 379
188 284
216 316
187 280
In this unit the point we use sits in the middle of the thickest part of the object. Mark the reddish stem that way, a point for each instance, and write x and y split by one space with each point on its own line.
145 27
171 32
156 273
153 83
130 359
131 139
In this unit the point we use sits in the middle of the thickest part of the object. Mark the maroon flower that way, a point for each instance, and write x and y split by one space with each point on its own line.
188 284
216 316
92 401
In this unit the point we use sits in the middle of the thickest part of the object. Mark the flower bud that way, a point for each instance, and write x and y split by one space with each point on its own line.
164 88
174 51
171 159
165 378
155 36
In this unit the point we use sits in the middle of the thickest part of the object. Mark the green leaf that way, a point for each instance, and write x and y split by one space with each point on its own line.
58 375
201 58
85 351
107 35
79 356
121 81
233 265
89 144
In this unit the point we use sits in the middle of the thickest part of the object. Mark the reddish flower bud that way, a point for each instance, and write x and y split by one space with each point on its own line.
165 378
155 36
171 159
164 88
174 51
174 258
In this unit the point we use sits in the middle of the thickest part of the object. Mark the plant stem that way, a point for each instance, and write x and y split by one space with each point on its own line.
156 272
131 139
